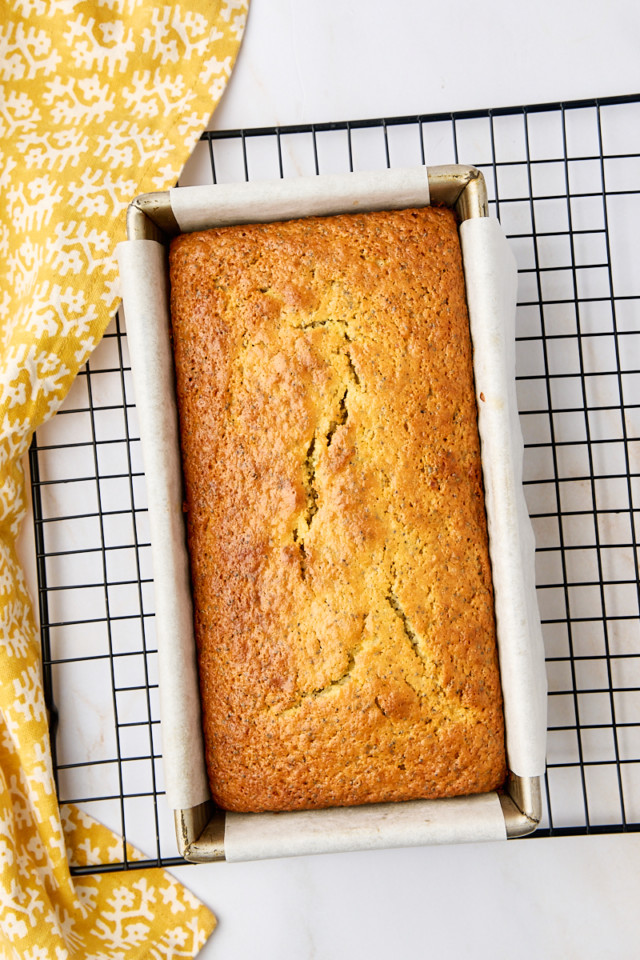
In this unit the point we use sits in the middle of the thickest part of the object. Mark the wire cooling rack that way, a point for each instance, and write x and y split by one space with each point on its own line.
564 180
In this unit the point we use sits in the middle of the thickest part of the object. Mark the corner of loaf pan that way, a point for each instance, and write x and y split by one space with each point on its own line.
205 833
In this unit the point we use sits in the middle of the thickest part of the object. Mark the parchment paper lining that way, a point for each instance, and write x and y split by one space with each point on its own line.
490 276
264 836
490 273
196 208
145 297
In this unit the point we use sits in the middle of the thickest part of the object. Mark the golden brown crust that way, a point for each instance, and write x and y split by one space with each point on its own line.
344 613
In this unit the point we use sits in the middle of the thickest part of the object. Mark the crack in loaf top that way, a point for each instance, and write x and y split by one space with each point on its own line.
344 613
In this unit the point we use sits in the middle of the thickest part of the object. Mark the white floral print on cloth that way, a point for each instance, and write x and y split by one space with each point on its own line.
99 100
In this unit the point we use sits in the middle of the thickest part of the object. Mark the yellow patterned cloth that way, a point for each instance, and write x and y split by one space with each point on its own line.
99 100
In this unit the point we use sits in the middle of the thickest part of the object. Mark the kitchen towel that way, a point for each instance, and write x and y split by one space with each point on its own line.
100 100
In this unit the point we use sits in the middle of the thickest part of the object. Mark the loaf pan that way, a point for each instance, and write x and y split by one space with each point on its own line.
200 826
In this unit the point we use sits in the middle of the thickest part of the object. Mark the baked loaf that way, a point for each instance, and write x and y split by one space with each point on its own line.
342 589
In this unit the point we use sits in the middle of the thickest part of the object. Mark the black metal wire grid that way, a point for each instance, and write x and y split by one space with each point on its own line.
563 179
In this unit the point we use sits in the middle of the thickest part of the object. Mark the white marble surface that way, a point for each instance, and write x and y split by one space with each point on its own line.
554 898
308 61
546 899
